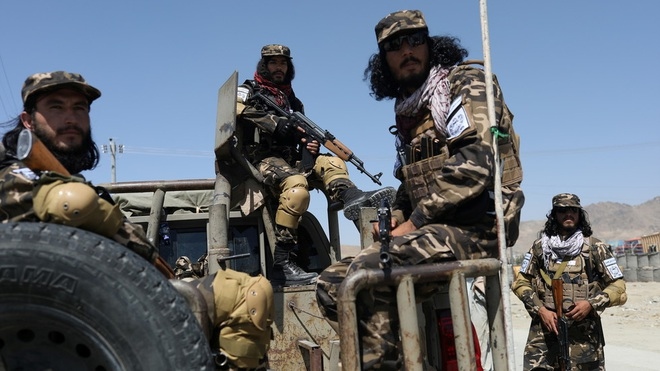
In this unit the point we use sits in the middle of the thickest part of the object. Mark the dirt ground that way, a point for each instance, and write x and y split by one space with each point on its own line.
632 331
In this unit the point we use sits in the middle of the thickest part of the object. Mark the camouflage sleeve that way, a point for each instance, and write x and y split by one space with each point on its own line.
133 236
523 286
247 112
401 207
610 278
16 191
468 172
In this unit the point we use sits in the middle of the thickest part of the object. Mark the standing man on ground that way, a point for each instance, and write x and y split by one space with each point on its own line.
274 146
591 281
444 209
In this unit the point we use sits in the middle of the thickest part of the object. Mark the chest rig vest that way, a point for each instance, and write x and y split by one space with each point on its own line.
259 144
425 159
574 275
424 164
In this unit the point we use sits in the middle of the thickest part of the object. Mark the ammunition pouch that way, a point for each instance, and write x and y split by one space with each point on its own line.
420 177
244 312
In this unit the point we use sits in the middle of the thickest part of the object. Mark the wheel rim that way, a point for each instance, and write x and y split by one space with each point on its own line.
40 337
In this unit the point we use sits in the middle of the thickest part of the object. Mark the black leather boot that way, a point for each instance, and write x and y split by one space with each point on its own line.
354 199
286 272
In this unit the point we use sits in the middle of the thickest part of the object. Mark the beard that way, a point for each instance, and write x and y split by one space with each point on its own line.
413 81
74 159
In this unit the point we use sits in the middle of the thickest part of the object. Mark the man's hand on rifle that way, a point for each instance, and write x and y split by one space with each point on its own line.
579 311
397 229
375 232
404 228
549 319
312 146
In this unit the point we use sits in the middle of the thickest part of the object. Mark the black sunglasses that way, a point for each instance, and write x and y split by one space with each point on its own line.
561 209
414 39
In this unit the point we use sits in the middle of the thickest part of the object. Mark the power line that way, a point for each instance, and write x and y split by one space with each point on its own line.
168 152
2 102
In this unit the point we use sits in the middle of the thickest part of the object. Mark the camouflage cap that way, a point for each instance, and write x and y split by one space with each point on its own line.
399 21
49 81
273 50
566 200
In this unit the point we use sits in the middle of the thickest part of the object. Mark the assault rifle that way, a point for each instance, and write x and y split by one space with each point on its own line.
35 155
315 132
562 325
384 223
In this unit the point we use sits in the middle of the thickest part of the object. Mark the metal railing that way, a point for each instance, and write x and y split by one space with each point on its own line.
404 278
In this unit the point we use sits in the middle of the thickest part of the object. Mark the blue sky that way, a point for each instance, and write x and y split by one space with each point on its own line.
579 76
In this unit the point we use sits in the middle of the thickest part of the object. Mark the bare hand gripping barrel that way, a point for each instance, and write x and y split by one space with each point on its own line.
315 132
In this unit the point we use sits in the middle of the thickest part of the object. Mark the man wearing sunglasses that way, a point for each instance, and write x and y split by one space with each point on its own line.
590 282
444 208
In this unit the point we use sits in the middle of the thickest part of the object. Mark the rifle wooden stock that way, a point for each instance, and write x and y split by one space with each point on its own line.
35 155
163 267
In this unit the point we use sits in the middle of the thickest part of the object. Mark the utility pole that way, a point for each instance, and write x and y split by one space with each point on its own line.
112 148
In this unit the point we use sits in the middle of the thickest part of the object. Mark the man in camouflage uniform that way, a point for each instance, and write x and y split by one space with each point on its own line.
591 282
274 145
444 209
56 109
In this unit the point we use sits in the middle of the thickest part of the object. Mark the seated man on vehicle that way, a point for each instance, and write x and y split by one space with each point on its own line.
277 152
56 108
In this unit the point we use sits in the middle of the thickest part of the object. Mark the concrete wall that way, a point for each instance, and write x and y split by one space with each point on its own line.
640 268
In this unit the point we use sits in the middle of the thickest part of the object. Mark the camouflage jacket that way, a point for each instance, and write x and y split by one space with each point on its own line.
605 280
256 125
461 182
17 184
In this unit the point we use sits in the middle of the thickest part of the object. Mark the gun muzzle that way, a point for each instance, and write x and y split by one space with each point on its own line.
385 259
221 360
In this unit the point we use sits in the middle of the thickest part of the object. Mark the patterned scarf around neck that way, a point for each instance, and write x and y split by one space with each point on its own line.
280 92
554 248
434 95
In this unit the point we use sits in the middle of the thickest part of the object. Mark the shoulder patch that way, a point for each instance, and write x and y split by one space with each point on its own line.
525 263
457 121
26 172
242 94
612 268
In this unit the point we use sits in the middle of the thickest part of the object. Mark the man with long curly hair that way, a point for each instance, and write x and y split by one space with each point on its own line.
276 151
591 281
444 209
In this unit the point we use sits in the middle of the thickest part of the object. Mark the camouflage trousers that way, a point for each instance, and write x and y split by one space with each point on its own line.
377 313
325 176
585 347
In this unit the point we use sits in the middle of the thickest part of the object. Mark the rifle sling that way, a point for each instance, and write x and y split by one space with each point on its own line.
557 274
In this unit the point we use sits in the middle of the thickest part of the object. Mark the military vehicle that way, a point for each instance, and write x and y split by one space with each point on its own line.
73 300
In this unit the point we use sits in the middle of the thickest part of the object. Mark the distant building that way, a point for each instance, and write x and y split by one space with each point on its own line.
651 242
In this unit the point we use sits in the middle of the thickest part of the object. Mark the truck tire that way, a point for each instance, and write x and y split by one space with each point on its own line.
73 300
